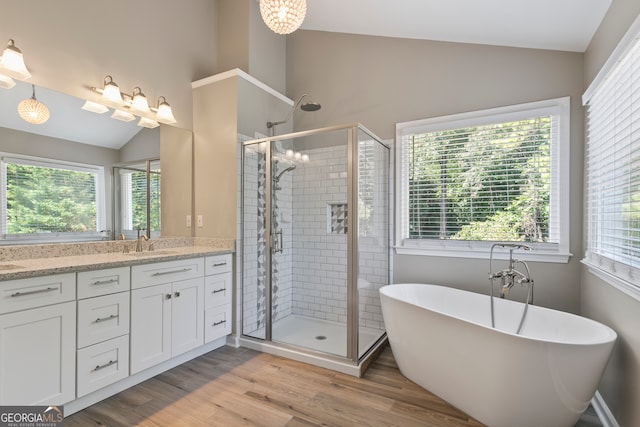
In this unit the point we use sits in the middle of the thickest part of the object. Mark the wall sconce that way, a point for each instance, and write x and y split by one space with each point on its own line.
12 66
126 106
283 16
33 111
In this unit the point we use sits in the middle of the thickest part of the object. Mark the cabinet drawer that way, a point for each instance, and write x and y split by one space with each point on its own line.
166 272
103 282
22 294
217 322
102 364
102 318
217 290
216 264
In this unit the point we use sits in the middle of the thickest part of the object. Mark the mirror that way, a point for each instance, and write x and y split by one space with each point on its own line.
78 136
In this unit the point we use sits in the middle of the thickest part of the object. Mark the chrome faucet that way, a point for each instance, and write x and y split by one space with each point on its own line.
139 241
511 276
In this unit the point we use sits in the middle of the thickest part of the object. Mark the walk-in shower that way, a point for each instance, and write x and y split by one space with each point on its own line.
315 245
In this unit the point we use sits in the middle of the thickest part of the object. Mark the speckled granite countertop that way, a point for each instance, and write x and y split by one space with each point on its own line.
41 260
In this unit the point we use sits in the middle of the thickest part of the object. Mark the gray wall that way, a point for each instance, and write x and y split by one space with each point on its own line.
620 386
380 81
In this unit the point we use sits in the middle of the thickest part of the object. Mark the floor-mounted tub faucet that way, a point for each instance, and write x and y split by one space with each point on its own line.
510 277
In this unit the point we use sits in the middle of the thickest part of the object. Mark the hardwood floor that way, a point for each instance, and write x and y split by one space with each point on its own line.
242 387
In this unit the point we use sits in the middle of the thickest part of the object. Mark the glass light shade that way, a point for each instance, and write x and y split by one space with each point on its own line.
94 107
305 158
6 82
33 111
139 104
164 113
111 93
148 123
283 16
123 116
12 63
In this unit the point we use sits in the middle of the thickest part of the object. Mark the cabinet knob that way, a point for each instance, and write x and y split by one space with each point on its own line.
176 294
168 296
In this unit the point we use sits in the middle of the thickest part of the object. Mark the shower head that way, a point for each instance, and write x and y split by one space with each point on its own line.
310 106
307 106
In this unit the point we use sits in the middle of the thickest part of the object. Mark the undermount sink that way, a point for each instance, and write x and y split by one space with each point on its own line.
150 253
10 267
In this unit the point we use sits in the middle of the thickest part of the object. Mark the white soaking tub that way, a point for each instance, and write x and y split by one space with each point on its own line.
442 340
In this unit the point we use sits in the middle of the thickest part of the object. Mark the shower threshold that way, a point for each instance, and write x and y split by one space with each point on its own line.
325 340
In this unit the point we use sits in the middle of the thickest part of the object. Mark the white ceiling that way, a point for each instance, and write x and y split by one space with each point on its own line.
566 25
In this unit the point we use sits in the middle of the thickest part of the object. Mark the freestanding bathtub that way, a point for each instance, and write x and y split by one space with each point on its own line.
442 340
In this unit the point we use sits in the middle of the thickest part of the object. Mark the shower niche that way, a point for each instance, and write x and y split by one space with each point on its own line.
315 245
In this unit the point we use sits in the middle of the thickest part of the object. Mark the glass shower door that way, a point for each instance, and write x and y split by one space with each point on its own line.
255 253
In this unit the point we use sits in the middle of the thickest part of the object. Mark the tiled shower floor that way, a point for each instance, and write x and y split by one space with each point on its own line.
320 335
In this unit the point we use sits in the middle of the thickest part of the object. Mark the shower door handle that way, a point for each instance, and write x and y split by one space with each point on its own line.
277 244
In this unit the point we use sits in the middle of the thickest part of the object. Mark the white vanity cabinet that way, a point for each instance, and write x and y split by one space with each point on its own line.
103 328
37 340
167 311
218 283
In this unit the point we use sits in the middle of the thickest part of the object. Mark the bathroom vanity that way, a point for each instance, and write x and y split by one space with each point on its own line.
77 329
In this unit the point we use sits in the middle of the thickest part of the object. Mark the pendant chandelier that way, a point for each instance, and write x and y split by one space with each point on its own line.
33 111
283 16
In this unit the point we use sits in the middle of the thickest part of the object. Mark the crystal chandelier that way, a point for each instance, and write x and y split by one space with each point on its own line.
283 16
33 111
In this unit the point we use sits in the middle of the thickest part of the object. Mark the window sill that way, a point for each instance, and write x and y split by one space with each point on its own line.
622 285
482 251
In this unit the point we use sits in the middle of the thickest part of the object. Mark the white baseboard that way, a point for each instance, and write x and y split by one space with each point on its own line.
606 417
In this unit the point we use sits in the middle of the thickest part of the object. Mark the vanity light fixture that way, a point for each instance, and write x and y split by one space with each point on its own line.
94 107
6 82
283 16
164 113
148 123
125 105
139 104
111 93
12 62
33 111
123 116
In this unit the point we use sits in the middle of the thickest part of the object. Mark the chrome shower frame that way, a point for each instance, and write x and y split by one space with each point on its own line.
353 363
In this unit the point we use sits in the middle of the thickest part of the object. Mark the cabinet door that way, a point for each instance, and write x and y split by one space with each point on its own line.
187 315
150 326
37 356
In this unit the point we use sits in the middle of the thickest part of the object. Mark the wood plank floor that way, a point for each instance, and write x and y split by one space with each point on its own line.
242 387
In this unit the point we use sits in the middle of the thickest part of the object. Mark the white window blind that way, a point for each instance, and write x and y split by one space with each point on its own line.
133 198
43 198
613 168
494 175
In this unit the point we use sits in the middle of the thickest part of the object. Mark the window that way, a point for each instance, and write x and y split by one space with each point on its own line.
47 200
468 180
133 198
613 166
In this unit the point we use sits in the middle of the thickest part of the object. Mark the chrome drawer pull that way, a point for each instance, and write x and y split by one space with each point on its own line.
113 316
104 282
109 363
219 323
215 291
220 264
162 273
39 291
